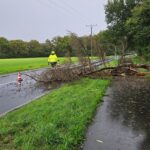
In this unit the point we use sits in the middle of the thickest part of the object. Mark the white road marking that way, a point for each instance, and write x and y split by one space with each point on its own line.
7 83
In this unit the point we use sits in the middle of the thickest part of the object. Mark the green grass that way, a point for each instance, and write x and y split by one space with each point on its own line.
140 60
112 63
20 64
57 121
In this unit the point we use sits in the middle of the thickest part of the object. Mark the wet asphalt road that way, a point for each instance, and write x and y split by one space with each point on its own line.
123 120
12 95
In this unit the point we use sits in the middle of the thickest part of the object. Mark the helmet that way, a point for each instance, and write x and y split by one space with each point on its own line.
52 52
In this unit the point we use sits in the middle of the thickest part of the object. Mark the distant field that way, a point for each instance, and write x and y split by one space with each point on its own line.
13 65
20 64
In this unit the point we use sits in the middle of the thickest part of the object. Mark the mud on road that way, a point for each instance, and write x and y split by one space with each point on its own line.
123 120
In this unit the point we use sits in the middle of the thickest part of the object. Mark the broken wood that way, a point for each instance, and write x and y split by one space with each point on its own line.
66 73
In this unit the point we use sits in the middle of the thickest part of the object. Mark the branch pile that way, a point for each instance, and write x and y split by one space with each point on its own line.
66 73
130 70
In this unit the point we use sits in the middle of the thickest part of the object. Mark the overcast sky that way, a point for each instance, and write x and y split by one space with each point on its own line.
45 19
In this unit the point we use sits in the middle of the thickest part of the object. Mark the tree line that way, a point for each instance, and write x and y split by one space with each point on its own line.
20 48
33 48
63 46
128 30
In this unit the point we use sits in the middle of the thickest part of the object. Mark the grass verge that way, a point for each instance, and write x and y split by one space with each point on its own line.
57 121
140 60
20 64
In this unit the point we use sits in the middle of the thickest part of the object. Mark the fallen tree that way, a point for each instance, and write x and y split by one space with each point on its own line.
87 67
126 69
66 73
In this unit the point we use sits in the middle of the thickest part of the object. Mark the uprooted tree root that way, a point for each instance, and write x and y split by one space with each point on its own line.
130 70
124 69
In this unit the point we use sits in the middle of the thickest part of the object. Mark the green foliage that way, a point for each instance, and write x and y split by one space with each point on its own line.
117 13
129 19
56 121
138 26
62 45
4 47
18 48
106 42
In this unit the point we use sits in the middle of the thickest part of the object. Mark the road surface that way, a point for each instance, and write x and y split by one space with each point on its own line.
13 95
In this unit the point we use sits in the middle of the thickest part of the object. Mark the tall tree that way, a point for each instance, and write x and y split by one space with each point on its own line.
62 45
117 12
138 26
18 48
106 42
35 49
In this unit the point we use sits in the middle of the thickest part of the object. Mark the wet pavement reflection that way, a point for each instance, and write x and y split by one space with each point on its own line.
123 120
13 94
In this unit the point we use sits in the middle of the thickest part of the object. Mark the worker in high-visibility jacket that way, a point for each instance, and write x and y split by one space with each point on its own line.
52 59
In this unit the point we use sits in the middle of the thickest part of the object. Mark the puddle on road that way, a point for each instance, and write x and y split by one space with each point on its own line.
123 120
13 95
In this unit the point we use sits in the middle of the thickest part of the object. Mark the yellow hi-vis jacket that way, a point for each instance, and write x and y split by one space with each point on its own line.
52 58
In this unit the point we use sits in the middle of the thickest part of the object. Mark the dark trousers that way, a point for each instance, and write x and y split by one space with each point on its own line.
53 64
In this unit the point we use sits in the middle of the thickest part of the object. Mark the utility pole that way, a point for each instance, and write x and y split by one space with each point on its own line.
91 27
